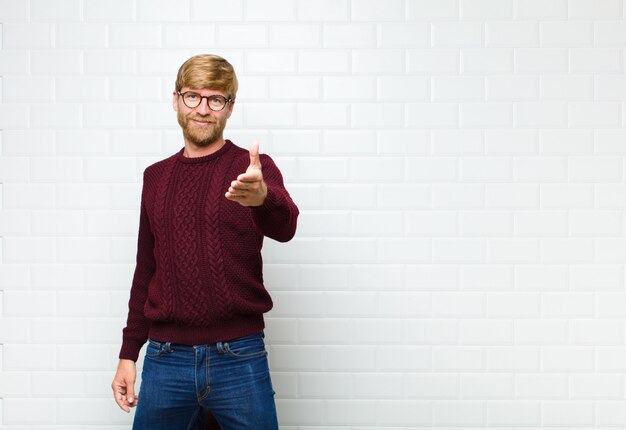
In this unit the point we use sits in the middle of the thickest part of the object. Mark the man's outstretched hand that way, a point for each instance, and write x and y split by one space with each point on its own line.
249 189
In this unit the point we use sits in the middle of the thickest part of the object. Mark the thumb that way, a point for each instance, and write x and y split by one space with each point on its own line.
130 391
255 159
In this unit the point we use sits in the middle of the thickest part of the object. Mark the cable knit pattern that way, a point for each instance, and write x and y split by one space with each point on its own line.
198 277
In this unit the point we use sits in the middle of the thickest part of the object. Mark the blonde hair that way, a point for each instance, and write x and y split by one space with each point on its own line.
208 71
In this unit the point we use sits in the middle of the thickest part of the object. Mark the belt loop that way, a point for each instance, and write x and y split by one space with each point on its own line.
220 347
167 347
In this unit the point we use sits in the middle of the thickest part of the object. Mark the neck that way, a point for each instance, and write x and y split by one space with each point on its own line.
194 151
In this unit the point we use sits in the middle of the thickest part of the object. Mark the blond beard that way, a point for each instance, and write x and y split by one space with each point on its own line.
201 137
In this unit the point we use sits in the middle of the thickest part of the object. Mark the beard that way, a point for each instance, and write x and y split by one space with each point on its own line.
202 137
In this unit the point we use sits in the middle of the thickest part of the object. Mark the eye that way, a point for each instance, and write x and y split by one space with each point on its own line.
192 96
217 100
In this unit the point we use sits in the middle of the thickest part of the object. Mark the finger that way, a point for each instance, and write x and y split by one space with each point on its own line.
251 176
255 159
120 398
130 392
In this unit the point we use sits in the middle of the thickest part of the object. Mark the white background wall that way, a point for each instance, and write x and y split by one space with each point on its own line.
459 165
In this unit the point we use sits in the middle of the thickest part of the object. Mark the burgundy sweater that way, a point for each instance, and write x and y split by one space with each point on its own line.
198 277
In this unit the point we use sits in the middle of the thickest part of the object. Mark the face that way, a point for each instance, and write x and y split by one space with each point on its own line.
201 126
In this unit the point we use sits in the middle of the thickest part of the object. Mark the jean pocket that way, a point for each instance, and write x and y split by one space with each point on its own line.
245 348
157 349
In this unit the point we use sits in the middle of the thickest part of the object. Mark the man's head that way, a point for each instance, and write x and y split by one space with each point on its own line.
202 76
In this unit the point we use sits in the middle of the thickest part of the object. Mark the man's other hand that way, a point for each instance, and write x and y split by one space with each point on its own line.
123 385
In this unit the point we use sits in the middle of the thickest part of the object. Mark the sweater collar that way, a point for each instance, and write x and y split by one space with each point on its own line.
192 160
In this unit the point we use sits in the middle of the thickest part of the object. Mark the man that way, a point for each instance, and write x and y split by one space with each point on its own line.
197 295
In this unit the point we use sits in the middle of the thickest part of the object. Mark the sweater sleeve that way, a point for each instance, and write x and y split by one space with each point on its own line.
135 333
277 217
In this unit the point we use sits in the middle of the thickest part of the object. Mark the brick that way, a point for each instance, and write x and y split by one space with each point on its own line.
514 413
540 169
404 250
398 412
433 115
295 88
541 386
431 386
512 87
541 224
80 35
349 142
457 142
136 35
269 10
568 87
27 89
457 34
325 385
60 10
595 60
539 332
14 116
482 224
486 61
14 62
300 411
431 224
163 10
610 33
295 36
218 12
375 277
458 305
571 413
111 11
486 169
490 278
20 411
237 35
433 61
486 332
85 250
594 169
25 249
566 142
27 36
511 142
376 386
269 62
377 115
491 387
349 35
566 196
331 331
451 88
571 251
517 359
186 35
486 9
399 35
541 114
543 60
486 115
513 250
404 305
541 9
572 34
520 34
595 224
589 9
567 359
322 10
350 412
378 61
458 359
514 304
14 11
427 10
596 278
28 357
405 358
135 89
109 62
458 196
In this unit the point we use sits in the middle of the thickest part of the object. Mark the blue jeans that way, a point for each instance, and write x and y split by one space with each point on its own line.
180 383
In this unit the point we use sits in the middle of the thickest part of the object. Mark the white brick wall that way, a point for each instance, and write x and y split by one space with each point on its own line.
459 165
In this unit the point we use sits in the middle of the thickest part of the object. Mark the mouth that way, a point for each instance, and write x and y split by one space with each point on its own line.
201 123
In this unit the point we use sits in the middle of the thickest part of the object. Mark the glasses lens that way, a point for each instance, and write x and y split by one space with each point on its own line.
217 102
192 99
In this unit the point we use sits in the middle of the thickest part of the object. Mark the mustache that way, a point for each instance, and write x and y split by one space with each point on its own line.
200 119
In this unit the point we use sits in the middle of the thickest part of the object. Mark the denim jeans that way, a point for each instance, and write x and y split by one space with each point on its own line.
230 379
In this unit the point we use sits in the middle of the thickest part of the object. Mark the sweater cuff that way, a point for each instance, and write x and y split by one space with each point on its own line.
272 200
130 350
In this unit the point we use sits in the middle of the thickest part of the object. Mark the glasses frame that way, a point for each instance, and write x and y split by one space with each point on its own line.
228 100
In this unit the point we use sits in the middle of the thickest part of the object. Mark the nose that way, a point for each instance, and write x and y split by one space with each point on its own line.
203 107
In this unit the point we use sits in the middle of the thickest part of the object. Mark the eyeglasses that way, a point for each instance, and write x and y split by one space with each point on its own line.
215 102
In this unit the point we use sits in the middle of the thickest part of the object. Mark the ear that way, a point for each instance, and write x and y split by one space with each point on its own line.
229 109
175 101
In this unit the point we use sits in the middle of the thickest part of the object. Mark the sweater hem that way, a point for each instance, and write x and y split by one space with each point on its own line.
241 325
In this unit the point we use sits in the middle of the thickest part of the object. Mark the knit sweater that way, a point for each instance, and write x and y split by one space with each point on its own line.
198 277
